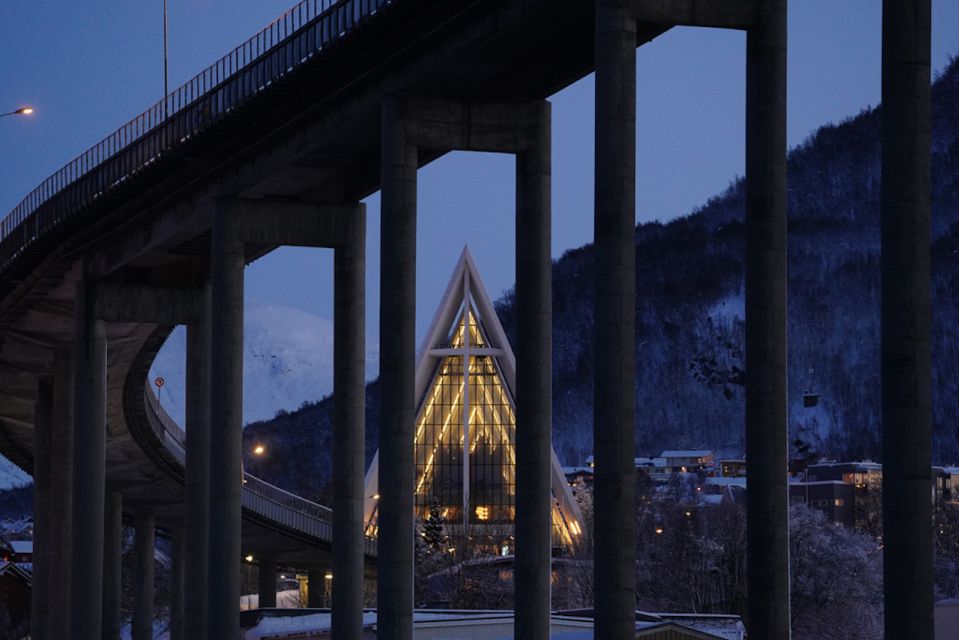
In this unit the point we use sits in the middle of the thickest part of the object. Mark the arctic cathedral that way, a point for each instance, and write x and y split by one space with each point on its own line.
465 428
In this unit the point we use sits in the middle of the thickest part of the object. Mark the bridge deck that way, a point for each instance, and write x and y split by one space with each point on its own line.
294 114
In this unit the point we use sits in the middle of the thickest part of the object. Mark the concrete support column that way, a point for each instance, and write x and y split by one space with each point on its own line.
317 587
144 544
177 582
614 391
42 517
349 422
61 493
197 484
906 323
767 512
226 426
112 566
267 582
89 470
394 592
534 375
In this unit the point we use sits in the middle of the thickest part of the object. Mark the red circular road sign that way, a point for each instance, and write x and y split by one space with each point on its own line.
159 382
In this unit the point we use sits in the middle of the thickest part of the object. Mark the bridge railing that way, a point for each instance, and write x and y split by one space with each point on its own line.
289 41
260 497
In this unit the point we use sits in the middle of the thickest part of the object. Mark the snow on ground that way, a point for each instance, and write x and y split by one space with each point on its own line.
284 600
287 360
278 627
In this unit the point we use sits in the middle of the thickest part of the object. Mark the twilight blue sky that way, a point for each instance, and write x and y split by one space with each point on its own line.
88 67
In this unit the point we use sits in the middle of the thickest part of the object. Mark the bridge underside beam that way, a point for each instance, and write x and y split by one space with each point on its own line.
144 303
722 14
292 223
437 124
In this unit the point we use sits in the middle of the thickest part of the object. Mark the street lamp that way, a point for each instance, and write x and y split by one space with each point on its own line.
259 450
22 111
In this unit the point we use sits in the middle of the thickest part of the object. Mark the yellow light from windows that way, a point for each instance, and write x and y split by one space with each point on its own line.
482 513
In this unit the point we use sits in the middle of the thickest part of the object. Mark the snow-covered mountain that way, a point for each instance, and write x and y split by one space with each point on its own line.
287 360
11 476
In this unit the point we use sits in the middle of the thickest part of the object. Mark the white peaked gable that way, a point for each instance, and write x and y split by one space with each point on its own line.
474 404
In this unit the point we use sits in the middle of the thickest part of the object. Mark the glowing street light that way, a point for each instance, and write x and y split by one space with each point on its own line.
259 450
22 111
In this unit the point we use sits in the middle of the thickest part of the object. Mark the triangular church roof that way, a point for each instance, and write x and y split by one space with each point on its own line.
467 301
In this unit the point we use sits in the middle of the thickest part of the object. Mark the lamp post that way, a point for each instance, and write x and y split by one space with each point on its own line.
22 111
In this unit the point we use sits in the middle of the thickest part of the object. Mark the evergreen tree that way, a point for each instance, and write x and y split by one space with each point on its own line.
433 527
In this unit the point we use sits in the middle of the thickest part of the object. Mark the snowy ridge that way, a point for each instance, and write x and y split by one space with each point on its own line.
287 361
12 476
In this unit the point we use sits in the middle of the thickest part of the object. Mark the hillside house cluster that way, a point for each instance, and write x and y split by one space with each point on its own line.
830 487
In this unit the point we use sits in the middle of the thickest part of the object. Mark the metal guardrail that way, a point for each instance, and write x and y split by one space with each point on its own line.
288 42
260 497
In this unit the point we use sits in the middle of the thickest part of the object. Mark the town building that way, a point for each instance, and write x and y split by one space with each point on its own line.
834 498
687 460
732 468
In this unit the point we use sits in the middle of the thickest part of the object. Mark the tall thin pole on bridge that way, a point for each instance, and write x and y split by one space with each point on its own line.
166 84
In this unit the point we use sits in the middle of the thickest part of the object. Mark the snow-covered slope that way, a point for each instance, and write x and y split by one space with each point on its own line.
287 360
11 476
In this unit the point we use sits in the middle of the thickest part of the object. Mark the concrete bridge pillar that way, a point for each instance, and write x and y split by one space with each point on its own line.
226 425
144 545
112 565
61 493
42 516
197 489
177 580
906 320
394 594
89 471
267 582
534 376
349 421
614 391
318 587
767 512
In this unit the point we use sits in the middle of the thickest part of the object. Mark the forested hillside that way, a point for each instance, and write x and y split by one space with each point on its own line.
689 312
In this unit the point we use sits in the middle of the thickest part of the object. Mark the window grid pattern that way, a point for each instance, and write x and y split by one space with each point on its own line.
439 439
438 444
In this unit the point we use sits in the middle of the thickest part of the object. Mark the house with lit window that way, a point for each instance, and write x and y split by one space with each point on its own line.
835 498
732 467
864 475
687 460
465 430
